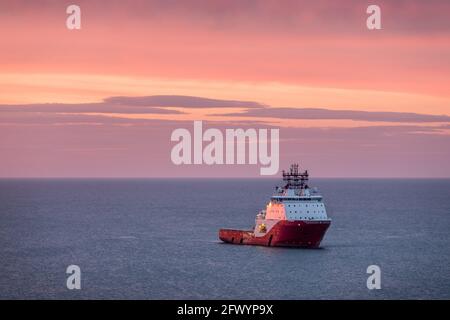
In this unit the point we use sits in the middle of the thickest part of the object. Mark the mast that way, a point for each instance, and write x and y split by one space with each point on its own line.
295 179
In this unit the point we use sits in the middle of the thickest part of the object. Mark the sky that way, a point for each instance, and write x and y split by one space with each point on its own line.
102 101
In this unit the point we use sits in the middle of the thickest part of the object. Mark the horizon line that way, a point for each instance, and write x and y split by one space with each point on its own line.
212 177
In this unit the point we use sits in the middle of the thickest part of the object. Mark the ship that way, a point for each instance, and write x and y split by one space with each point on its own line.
295 216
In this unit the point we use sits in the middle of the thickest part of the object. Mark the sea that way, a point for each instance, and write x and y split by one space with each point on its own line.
158 239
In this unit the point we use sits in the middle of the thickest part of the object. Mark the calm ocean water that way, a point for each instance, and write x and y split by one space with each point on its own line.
157 239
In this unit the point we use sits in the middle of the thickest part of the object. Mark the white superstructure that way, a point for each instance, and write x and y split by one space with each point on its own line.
295 201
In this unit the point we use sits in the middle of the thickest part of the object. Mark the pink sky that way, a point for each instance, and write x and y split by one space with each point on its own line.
354 102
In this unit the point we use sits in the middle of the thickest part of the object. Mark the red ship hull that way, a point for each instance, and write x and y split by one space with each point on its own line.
306 234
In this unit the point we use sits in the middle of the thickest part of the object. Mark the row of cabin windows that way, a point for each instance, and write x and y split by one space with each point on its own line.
294 205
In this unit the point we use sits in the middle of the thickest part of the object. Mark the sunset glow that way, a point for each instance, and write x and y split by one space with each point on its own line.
349 101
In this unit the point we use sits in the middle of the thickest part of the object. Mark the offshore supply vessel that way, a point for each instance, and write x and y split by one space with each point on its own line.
295 216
